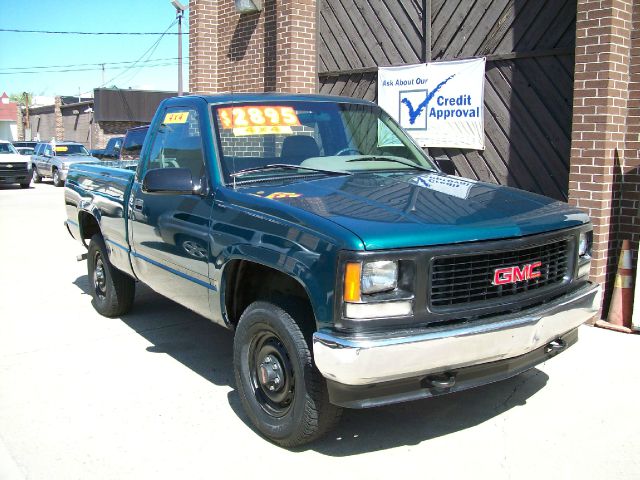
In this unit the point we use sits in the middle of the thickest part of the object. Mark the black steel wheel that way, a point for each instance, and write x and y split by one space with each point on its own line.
271 373
281 390
112 291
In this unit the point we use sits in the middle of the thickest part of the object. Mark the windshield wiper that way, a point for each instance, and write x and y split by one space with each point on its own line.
372 158
285 166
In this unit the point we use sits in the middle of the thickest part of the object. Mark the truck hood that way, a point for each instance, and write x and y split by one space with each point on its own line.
14 158
399 210
77 159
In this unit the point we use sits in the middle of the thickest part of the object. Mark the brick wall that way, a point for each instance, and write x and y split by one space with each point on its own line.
604 158
273 50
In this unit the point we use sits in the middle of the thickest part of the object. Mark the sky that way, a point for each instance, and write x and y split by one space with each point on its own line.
21 52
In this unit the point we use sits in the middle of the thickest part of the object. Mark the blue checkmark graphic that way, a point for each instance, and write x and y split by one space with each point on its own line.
415 113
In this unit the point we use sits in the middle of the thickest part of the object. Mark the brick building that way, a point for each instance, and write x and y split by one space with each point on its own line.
93 121
562 89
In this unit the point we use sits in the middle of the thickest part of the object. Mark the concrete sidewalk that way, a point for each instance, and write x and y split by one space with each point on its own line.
152 395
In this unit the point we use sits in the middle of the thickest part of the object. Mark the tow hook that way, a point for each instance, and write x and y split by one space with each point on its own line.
555 346
441 382
82 257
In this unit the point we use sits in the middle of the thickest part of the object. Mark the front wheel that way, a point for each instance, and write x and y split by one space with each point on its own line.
112 290
281 390
36 178
57 181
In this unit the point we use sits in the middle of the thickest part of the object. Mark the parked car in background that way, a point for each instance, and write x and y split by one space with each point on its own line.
14 168
52 160
111 151
25 143
132 144
25 150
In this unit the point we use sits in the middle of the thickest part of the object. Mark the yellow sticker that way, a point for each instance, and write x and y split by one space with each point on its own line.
264 130
277 195
176 117
61 148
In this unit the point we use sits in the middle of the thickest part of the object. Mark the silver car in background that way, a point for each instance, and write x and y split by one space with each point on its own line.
52 160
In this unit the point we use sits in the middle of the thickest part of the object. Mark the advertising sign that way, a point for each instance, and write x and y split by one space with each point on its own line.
441 104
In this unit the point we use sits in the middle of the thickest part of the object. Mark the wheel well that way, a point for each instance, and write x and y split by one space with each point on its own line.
246 282
88 225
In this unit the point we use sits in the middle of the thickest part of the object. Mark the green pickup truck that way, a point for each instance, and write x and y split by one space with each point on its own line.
354 272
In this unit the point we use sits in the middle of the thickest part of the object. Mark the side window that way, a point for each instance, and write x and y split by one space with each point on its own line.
48 150
178 143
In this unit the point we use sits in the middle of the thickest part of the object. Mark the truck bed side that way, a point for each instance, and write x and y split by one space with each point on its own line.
96 197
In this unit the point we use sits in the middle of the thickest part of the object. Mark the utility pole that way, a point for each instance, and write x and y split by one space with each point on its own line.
102 74
179 14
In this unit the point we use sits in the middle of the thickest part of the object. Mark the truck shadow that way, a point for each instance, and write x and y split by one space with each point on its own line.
207 349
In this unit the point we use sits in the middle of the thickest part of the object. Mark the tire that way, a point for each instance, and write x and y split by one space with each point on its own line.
112 290
36 178
269 345
25 185
56 178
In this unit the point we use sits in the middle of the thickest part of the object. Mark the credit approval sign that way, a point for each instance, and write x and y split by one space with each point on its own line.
441 104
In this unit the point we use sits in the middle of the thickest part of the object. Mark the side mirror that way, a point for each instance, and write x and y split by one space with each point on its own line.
446 165
168 181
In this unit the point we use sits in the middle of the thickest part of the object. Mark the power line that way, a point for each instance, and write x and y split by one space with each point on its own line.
164 64
38 67
151 49
53 32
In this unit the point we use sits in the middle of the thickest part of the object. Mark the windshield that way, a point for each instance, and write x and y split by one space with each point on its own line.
7 148
255 139
70 150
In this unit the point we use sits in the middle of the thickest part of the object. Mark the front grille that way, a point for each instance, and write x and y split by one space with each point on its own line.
464 279
13 167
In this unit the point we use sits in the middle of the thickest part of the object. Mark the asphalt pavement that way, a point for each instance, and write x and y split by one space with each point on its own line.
152 395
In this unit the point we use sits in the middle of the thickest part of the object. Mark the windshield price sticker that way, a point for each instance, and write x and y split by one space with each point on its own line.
265 130
176 117
258 116
61 148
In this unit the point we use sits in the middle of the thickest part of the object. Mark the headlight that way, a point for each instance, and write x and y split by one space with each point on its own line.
584 245
379 277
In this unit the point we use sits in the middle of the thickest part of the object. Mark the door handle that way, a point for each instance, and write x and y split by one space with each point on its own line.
138 205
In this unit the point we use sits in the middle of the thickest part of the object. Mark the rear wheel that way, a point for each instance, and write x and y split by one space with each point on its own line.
112 290
57 181
281 390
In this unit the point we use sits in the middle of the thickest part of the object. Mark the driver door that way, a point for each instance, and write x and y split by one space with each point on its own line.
170 232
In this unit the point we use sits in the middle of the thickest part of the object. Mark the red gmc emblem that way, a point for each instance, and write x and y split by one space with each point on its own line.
506 275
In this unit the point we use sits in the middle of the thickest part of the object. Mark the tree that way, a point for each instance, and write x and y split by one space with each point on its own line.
19 97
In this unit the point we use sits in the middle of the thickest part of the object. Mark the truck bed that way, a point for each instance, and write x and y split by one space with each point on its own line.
101 190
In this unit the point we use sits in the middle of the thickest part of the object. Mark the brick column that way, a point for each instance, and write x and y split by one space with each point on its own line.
603 32
272 50
203 46
57 115
297 57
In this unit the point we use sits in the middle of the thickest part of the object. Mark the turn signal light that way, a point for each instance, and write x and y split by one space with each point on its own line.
352 276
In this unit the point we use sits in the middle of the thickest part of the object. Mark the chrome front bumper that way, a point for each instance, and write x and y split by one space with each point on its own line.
352 360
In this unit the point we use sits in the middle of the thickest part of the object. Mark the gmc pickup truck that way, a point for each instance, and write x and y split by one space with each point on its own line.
352 270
